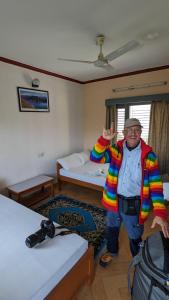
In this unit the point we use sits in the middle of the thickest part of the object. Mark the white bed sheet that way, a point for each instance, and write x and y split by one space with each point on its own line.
90 172
95 173
31 273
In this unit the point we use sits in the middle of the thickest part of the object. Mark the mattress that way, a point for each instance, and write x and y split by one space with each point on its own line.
31 273
90 172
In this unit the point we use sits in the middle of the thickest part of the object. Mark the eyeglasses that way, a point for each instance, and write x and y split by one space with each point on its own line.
133 130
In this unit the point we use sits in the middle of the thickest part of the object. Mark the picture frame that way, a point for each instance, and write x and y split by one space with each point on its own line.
33 100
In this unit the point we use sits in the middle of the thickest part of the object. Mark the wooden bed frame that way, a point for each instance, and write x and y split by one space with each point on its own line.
82 272
62 179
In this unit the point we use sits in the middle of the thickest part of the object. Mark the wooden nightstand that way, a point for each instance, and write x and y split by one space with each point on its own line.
33 190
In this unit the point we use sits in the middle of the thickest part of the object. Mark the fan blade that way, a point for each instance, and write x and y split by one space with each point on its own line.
122 50
76 60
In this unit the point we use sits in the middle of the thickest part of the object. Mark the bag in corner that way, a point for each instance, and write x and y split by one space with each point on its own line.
151 270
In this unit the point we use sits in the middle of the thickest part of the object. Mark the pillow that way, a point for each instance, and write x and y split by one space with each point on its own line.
70 161
84 156
100 170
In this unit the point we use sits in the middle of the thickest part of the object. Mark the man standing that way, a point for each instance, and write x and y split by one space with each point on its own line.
132 185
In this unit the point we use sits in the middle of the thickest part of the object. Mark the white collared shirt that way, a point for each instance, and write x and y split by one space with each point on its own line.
130 174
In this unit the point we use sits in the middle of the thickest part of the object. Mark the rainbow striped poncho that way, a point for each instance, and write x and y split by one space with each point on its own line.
151 190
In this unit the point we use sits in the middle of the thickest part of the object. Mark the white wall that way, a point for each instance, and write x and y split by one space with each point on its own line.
32 141
97 92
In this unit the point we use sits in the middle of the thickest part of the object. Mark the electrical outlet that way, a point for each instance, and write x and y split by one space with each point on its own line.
41 154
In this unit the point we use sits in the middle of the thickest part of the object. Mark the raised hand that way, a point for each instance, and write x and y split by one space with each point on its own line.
109 134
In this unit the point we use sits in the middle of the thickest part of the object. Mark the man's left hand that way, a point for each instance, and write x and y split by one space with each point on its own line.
164 225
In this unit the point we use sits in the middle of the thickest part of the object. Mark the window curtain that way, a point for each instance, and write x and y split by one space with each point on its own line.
111 116
159 133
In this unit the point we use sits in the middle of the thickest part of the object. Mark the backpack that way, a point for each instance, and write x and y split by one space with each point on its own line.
151 270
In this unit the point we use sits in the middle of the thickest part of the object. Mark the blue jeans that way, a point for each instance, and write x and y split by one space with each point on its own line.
131 225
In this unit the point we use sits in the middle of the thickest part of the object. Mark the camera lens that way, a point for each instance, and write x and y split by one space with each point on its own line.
31 241
35 238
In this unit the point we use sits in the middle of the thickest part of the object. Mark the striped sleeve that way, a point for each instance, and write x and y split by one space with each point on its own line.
156 187
101 151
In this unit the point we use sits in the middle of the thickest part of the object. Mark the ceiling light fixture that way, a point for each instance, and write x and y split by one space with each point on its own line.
139 86
152 36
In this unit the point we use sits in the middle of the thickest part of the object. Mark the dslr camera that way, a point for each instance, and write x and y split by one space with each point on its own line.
47 229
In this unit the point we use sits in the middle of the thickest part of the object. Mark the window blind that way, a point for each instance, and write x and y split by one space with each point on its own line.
120 122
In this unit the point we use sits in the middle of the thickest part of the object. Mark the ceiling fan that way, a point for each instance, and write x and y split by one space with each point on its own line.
103 61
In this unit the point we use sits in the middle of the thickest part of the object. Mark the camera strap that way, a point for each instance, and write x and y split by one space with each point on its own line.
65 232
60 227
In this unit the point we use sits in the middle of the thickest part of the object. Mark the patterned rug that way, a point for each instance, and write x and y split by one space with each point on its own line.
86 219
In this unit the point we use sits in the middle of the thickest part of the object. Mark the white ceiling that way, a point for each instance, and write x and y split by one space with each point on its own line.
38 32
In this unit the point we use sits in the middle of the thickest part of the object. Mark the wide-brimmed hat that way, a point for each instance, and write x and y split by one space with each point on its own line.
132 122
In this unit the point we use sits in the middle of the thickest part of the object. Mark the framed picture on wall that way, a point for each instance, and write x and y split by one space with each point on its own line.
33 100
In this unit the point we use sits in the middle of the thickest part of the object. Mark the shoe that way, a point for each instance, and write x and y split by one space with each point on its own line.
106 259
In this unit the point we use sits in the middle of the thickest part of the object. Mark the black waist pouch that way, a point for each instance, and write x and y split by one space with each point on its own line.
131 206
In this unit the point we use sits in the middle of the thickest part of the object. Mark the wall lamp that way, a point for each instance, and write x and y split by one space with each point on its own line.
139 86
35 82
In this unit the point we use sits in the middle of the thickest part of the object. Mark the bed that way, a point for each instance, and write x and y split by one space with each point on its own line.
77 169
55 269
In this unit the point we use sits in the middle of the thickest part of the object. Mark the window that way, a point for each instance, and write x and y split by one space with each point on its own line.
141 112
120 122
